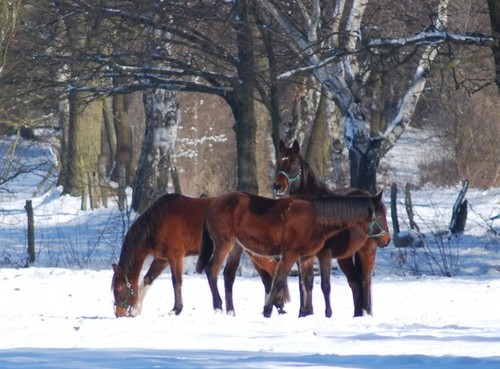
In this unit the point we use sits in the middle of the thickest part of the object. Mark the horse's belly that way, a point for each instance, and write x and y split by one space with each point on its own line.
258 248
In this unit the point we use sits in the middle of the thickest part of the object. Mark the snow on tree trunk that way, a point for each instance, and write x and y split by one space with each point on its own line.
342 78
154 167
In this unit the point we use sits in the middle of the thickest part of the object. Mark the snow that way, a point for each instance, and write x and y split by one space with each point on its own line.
58 313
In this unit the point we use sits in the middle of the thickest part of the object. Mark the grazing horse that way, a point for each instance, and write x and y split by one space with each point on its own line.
168 230
295 177
292 228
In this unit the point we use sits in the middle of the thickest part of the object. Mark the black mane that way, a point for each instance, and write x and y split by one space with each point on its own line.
337 209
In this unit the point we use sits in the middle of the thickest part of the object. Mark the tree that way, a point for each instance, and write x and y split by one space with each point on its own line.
8 18
494 12
154 168
347 53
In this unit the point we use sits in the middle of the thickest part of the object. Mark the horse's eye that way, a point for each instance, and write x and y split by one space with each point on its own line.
284 159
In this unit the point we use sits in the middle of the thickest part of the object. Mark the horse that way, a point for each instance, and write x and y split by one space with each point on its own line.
295 177
292 229
169 230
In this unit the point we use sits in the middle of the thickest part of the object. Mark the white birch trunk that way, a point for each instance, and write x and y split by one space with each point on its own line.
162 125
343 81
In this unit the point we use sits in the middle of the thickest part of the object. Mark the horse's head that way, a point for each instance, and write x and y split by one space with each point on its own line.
124 293
288 169
378 228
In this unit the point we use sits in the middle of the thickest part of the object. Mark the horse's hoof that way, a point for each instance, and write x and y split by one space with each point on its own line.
281 311
174 312
267 311
218 311
328 313
303 314
231 313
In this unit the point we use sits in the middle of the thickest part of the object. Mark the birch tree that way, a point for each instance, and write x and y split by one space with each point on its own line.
155 164
339 51
9 10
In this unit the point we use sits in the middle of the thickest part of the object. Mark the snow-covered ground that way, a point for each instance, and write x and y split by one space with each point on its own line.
58 313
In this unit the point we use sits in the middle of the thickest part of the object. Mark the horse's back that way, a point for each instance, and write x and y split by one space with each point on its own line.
180 220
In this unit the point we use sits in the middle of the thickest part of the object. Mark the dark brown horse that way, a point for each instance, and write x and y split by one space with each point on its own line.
168 230
295 177
291 228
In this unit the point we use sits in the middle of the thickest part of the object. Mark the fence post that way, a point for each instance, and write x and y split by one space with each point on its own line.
31 231
459 216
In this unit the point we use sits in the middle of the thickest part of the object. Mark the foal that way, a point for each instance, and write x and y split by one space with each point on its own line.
293 229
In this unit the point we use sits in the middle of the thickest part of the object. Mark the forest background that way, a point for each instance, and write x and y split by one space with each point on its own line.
194 96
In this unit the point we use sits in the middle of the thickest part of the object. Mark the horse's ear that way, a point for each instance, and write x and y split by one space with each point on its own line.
295 146
282 146
116 268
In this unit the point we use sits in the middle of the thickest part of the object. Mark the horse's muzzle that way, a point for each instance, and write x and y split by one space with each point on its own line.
125 311
384 240
279 190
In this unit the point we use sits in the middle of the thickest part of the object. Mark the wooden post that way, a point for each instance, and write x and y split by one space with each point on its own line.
409 208
459 216
31 231
394 209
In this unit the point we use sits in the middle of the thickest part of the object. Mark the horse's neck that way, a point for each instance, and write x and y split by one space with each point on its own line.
310 185
132 265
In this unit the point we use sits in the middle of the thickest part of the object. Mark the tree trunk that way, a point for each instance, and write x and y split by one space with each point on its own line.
124 144
162 125
243 105
245 128
318 150
84 148
494 10
364 159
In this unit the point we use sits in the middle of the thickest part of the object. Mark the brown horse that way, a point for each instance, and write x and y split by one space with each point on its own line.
168 230
290 228
295 177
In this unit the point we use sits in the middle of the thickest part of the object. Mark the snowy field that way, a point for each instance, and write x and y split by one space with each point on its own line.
58 313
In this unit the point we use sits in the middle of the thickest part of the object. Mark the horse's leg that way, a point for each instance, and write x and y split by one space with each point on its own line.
155 269
279 282
222 247
352 272
302 297
177 267
306 266
366 263
266 269
325 269
232 263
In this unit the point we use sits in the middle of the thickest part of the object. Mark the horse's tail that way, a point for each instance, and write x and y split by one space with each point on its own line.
206 250
285 292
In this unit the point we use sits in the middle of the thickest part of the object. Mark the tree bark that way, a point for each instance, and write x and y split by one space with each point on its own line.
494 10
124 144
318 150
364 159
243 105
162 124
85 121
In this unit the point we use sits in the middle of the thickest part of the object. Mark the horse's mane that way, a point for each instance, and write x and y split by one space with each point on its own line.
142 228
312 185
342 210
